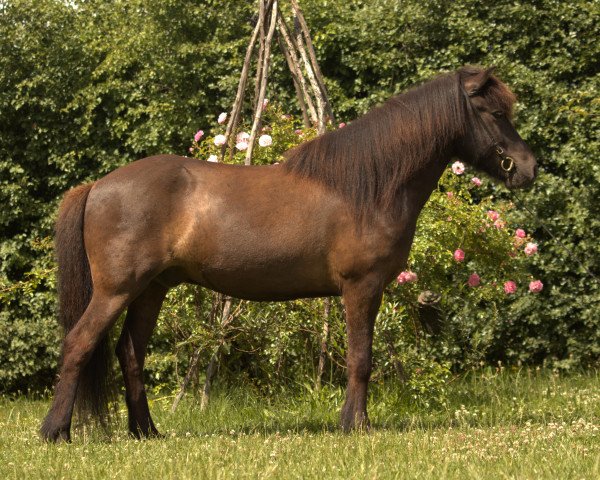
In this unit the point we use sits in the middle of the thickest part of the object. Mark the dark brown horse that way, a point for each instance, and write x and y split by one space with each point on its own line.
337 218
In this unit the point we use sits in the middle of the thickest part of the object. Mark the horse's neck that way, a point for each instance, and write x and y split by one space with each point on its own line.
414 192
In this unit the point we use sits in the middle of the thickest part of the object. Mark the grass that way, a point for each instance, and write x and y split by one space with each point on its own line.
525 424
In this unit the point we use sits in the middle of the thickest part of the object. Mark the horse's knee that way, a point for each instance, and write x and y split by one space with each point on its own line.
359 367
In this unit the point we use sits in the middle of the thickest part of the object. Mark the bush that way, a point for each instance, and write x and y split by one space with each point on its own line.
88 86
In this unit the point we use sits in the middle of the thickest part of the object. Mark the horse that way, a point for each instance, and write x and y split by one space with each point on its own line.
336 218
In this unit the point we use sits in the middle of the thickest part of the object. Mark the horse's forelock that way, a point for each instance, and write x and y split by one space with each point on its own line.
499 96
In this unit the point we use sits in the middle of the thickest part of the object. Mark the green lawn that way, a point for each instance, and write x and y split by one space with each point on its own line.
523 424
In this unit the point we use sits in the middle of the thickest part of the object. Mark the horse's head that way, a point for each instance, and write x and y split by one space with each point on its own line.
491 143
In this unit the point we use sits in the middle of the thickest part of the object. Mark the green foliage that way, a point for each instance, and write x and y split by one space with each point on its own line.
30 339
88 86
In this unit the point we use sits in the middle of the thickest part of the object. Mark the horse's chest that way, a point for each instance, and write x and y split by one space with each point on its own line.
382 253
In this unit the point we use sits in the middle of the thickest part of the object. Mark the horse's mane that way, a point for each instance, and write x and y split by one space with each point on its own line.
369 159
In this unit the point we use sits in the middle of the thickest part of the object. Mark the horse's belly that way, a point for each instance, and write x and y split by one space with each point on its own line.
273 278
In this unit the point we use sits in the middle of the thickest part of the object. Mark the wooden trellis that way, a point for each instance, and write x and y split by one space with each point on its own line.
297 48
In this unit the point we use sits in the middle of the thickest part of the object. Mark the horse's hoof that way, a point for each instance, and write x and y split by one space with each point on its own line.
55 435
355 422
146 434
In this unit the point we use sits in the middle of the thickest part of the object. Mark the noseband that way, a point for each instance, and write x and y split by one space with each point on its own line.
507 163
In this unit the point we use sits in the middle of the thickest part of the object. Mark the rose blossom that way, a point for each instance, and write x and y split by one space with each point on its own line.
458 168
298 131
243 145
531 248
198 136
476 181
342 125
474 280
212 158
407 277
265 141
222 118
536 286
520 233
220 140
191 149
493 215
242 137
459 255
449 194
499 224
510 287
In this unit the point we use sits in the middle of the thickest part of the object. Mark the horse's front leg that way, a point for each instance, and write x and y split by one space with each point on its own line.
361 301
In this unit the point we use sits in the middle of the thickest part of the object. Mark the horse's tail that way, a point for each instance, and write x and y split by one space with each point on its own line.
74 294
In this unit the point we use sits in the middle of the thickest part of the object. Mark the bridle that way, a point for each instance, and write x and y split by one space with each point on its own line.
507 163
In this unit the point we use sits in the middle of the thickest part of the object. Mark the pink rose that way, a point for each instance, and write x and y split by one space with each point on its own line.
265 141
459 255
536 286
458 168
476 181
198 136
493 215
265 103
342 125
407 277
530 248
474 280
510 287
191 149
520 233
213 159
449 194
499 224
298 132
220 140
222 118
241 146
242 137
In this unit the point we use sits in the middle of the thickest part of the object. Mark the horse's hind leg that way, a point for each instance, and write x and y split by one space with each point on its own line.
78 346
131 351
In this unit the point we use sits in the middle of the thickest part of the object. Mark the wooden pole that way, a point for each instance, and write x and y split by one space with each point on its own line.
297 87
313 59
311 78
263 83
324 342
226 319
193 366
263 13
239 97
296 67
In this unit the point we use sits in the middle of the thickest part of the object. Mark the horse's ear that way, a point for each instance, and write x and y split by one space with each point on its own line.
476 81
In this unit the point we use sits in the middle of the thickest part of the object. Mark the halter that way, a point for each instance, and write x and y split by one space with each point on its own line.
507 163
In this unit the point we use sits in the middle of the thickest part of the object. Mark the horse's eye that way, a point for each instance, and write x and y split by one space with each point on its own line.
498 114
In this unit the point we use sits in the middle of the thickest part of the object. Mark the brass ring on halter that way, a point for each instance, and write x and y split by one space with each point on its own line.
499 150
509 167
